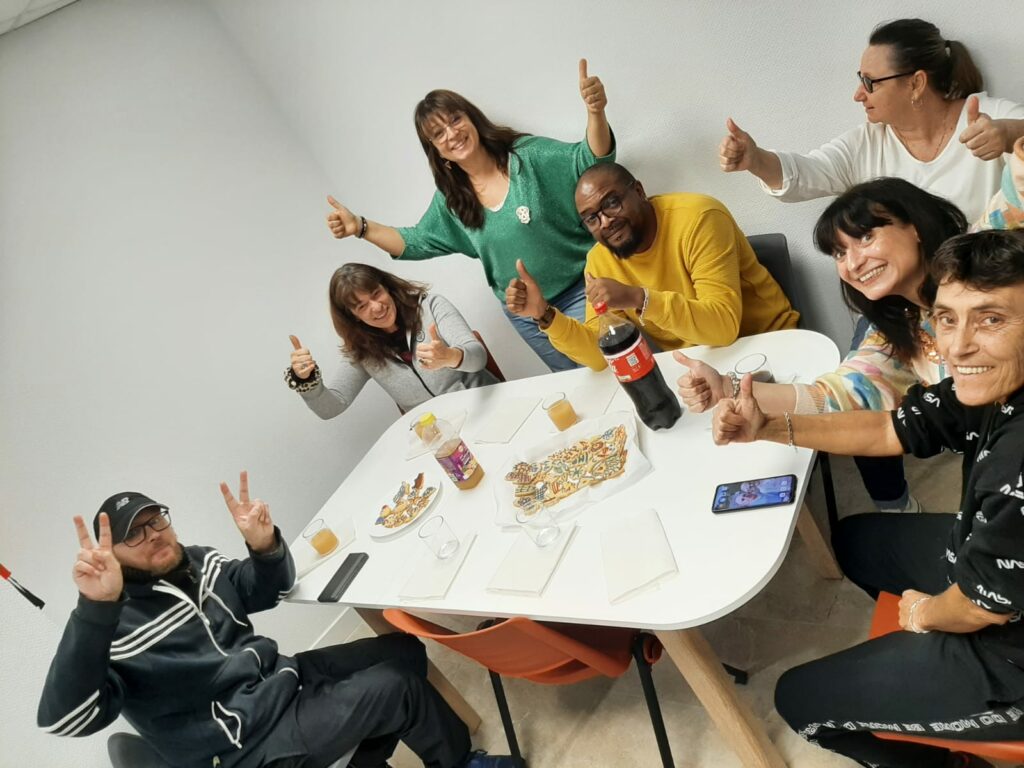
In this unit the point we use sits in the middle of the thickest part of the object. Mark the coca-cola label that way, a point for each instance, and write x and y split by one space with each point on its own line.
633 363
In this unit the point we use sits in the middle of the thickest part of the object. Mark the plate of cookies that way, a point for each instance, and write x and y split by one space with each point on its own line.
406 504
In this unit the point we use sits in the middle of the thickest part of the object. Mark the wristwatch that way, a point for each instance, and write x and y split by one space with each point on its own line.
545 319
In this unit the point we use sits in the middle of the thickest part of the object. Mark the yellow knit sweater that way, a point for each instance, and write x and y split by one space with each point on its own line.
705 284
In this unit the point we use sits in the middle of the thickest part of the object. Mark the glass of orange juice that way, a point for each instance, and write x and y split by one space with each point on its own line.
320 537
560 411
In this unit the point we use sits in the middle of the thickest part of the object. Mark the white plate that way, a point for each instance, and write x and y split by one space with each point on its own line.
431 479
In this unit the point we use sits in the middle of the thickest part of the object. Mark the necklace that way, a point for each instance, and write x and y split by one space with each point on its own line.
936 147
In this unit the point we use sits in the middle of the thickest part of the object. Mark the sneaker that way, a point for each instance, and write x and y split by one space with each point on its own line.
480 759
965 760
911 506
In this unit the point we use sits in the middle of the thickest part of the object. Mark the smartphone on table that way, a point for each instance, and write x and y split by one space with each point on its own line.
751 494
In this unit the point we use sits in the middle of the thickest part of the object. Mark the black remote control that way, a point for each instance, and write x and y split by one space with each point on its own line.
343 577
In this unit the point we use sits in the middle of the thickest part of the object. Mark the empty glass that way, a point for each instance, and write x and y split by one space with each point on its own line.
540 526
757 366
439 537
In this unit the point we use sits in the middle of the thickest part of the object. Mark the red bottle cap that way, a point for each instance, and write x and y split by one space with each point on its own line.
600 307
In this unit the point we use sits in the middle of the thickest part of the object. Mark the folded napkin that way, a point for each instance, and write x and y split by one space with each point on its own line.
504 420
527 568
591 400
431 577
636 554
308 561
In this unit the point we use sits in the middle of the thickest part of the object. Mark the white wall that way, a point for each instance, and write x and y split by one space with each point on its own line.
348 74
160 237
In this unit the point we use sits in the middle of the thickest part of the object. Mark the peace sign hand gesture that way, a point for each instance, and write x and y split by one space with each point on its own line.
251 517
97 573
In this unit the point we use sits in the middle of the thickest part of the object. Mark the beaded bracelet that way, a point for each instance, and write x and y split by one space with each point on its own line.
911 624
302 385
362 228
643 308
789 429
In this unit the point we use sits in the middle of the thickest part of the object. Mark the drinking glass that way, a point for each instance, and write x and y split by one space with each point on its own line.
439 537
757 366
540 526
320 537
560 410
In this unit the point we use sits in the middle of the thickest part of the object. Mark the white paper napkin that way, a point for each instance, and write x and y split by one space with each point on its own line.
527 568
591 400
636 555
308 561
431 577
502 423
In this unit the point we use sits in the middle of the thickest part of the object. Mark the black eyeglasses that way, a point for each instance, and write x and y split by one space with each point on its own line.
869 82
137 534
610 205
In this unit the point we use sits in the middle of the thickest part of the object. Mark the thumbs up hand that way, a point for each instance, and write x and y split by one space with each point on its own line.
736 152
436 354
302 362
592 91
523 296
341 221
701 387
986 138
738 420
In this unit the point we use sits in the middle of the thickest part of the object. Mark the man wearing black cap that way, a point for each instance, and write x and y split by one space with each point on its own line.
162 635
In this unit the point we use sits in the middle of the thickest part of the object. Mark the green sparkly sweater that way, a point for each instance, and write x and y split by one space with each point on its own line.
537 222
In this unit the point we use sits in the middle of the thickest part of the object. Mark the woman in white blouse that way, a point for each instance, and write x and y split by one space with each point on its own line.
928 121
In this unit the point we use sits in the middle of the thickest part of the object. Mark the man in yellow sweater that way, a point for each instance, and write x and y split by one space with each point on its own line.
676 265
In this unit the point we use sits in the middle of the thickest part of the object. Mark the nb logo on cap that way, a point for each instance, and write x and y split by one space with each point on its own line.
120 503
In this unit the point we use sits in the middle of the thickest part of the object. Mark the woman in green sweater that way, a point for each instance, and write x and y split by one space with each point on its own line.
501 195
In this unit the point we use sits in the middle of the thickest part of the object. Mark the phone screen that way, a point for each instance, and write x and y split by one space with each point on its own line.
750 494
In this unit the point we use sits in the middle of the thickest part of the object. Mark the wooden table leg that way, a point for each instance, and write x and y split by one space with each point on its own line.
375 620
701 668
821 554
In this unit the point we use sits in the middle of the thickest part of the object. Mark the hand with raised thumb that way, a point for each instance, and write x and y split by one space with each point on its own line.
985 137
701 387
523 296
592 90
341 221
436 353
740 419
736 152
302 361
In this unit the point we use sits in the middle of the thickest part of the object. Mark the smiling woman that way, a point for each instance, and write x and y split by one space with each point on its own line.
384 323
929 121
501 195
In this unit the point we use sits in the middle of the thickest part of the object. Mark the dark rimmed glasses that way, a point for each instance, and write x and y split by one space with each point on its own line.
869 82
137 534
610 205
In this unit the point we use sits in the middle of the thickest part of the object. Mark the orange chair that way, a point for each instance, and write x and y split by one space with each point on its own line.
886 620
552 654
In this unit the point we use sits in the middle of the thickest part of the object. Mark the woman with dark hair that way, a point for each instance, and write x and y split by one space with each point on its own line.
501 195
384 323
928 121
882 235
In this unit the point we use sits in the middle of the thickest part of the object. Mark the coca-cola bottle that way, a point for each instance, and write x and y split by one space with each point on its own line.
630 358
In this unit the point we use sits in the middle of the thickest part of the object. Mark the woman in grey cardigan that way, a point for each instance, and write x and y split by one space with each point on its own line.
413 343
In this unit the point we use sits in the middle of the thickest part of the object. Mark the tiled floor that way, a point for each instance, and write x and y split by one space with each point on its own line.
798 617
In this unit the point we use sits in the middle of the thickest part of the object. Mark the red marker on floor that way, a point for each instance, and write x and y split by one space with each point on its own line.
6 574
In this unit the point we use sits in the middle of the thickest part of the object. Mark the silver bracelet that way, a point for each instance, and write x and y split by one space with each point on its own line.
643 309
789 429
735 383
911 624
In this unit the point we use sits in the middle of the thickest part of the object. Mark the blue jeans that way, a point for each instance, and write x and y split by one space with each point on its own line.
571 302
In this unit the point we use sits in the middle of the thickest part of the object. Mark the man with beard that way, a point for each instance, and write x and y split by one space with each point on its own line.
677 265
162 635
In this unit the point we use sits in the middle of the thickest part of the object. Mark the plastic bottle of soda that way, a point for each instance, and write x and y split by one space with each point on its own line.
450 451
631 361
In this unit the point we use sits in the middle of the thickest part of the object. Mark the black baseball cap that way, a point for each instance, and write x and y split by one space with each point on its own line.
122 509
